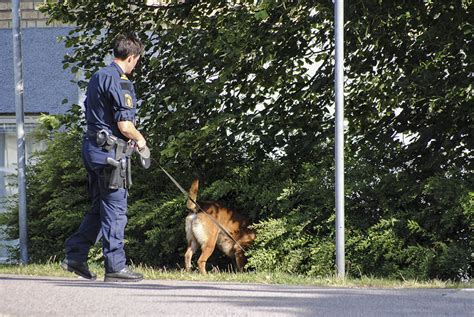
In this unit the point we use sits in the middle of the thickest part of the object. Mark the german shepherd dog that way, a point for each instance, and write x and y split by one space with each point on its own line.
203 232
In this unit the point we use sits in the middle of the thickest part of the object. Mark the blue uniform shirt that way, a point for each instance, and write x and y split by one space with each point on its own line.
110 98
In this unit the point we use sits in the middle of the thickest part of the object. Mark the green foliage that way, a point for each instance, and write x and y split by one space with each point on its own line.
283 245
56 190
242 95
156 232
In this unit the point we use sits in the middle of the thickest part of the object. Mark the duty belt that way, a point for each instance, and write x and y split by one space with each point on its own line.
108 141
120 175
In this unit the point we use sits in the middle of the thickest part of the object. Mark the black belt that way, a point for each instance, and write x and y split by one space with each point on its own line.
112 140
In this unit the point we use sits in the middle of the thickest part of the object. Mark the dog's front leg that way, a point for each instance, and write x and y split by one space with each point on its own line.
240 260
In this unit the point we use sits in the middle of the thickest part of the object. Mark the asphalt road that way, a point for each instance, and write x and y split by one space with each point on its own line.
45 296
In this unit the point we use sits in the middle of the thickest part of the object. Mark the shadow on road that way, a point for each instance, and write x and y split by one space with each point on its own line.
271 299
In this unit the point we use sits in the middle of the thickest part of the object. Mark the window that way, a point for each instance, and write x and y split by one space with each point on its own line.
8 165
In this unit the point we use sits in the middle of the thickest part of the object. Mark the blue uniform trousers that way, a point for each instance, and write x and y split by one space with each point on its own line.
106 219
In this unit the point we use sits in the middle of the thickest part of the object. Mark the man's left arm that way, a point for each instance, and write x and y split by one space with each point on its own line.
127 128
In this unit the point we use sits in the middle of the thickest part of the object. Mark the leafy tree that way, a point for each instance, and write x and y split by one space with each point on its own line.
241 93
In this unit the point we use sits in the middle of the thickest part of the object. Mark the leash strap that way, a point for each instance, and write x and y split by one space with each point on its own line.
199 207
176 183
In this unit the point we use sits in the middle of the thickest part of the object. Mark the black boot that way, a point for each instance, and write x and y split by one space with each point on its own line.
124 275
79 268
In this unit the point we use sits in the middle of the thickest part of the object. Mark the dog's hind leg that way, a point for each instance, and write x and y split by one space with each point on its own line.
206 250
192 242
192 247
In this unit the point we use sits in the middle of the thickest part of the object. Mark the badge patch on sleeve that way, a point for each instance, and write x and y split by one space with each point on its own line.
128 101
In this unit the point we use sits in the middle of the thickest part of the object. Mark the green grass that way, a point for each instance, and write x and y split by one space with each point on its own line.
150 273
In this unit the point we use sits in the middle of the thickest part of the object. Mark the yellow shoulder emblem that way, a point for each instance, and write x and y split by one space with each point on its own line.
128 101
124 77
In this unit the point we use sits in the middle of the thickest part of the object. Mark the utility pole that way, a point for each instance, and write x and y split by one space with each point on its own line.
339 151
20 130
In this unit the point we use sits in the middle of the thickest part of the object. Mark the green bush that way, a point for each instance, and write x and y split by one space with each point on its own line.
231 100
423 234
56 188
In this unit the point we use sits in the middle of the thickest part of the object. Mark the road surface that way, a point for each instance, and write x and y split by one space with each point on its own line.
47 296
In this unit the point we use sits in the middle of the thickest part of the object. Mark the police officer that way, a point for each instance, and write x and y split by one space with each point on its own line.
110 107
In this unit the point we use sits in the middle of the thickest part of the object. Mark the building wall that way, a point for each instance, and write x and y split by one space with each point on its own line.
30 15
46 85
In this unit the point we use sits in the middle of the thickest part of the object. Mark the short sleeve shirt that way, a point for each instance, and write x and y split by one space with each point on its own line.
110 98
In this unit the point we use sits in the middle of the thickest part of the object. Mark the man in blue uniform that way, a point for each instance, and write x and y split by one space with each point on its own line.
111 135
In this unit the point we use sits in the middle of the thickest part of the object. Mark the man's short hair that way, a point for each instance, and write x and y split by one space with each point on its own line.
126 45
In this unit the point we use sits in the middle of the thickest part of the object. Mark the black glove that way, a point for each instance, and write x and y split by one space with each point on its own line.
144 157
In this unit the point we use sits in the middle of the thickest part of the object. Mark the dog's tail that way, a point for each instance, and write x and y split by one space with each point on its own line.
193 192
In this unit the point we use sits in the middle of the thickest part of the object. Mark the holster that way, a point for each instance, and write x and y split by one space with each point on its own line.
119 175
119 172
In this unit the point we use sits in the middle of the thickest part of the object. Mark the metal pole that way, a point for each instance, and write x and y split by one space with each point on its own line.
339 152
20 132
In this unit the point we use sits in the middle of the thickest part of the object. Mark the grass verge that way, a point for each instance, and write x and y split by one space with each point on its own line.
150 273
